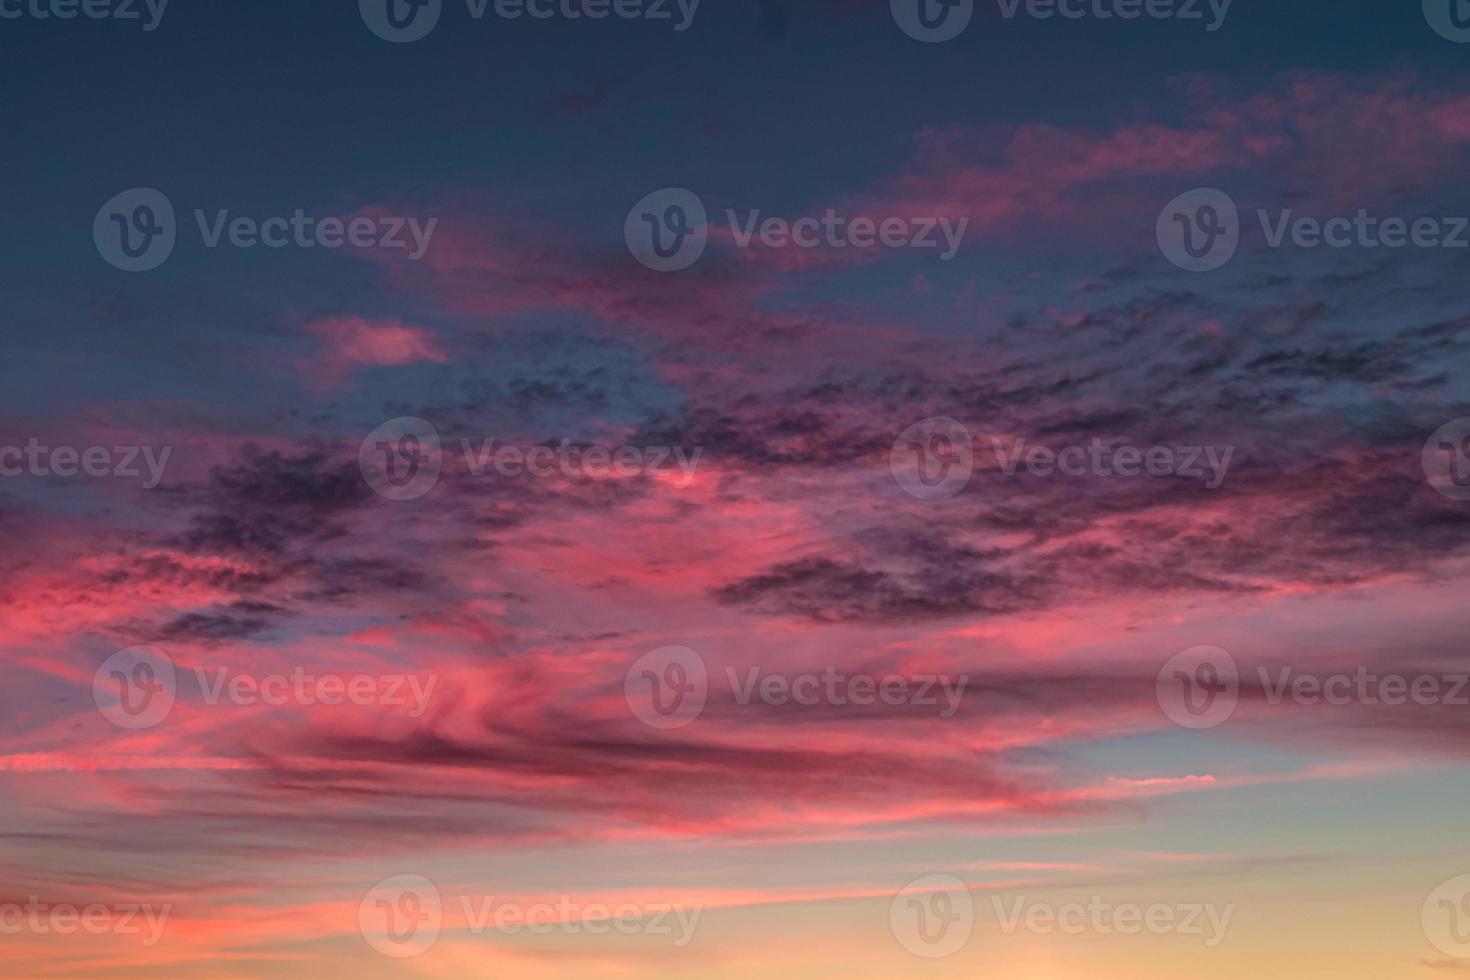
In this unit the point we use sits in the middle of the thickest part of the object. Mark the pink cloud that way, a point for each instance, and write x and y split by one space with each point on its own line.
351 342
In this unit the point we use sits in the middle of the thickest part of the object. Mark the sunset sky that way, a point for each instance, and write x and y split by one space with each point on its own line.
791 417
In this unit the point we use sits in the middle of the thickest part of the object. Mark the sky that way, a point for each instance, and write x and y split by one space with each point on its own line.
797 488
